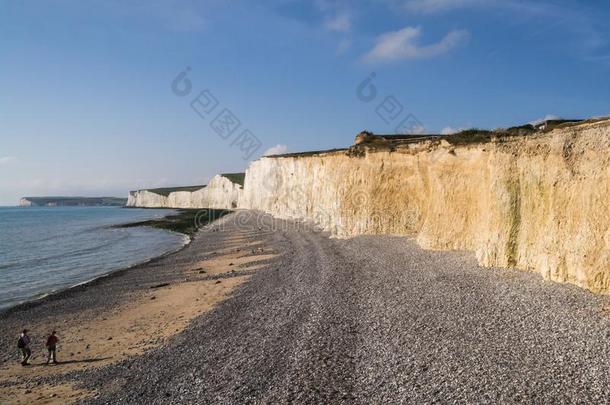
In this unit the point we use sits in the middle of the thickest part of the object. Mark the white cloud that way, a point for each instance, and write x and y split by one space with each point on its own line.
547 117
276 150
337 18
7 160
337 15
435 6
581 24
402 44
417 130
449 131
342 22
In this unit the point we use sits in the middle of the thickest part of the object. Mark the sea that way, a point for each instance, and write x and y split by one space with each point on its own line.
47 249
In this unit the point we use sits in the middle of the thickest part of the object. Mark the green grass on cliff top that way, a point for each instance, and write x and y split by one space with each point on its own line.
165 191
237 178
464 137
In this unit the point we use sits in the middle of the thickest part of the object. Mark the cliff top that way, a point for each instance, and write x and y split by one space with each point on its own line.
367 140
76 201
237 178
308 153
165 191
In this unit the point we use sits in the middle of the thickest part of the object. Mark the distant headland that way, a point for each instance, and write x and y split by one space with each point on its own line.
72 202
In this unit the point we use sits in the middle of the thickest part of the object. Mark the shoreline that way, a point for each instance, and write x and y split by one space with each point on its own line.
174 222
241 313
119 316
61 292
185 221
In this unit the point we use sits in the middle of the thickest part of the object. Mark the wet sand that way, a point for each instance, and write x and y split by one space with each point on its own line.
120 316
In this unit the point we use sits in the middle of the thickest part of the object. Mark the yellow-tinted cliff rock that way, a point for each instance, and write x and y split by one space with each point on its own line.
539 202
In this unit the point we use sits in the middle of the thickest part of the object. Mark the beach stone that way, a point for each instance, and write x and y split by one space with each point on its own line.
370 319
376 319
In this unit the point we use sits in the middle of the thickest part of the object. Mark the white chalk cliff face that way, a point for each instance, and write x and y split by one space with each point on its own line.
220 193
146 199
540 202
24 202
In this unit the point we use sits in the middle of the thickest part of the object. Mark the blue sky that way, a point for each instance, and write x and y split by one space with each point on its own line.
87 107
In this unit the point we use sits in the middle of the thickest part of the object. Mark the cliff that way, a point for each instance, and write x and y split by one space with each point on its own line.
222 192
532 198
72 202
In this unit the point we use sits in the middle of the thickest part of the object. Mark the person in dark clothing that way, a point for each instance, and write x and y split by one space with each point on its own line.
23 344
52 347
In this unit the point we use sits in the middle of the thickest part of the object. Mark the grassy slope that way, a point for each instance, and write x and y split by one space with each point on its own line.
237 178
165 191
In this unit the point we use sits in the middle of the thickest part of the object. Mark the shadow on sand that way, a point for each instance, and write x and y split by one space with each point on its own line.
61 363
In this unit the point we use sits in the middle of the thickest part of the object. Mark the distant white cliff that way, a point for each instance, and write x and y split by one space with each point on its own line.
222 192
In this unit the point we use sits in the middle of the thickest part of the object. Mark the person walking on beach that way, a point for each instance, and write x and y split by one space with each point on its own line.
52 346
24 347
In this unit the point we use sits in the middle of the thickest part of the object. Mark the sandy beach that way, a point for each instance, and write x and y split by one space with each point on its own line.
121 316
